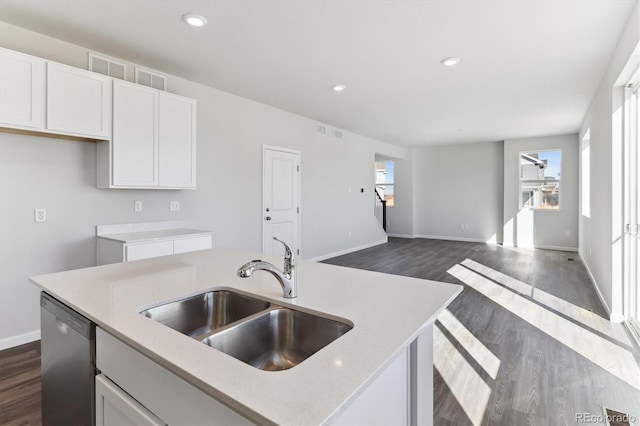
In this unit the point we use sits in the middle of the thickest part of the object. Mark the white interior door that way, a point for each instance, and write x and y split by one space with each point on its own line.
280 199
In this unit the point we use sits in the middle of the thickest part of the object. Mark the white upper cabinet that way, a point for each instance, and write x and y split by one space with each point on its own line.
177 141
22 91
147 137
153 142
78 101
47 97
134 147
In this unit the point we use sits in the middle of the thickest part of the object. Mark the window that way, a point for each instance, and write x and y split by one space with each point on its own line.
586 174
540 179
384 181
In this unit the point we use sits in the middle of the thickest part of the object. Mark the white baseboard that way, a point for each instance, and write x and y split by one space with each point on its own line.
347 251
401 236
559 248
440 237
597 289
20 339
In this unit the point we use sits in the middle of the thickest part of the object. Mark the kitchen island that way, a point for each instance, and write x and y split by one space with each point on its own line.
351 380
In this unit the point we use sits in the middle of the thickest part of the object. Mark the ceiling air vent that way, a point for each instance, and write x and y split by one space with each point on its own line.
151 79
107 66
321 130
337 134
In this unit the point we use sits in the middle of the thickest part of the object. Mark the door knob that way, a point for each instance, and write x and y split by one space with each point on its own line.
268 218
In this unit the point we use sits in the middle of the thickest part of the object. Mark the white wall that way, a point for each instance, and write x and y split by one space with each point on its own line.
458 185
600 233
400 216
541 228
60 175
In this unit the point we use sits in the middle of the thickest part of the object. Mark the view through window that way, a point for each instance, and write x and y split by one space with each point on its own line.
540 179
384 181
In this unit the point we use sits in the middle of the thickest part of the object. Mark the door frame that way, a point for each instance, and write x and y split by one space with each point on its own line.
631 168
266 148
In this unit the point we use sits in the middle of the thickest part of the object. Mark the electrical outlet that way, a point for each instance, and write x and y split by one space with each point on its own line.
137 206
40 215
174 206
567 233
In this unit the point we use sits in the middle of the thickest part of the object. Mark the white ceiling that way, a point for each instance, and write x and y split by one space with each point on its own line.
528 68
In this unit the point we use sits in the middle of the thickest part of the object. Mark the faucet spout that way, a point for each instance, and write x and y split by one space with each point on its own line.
286 277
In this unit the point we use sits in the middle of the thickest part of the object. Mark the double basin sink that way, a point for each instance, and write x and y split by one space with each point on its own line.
262 334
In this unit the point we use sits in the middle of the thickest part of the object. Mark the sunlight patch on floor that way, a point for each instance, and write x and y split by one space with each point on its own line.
466 385
480 353
609 356
582 315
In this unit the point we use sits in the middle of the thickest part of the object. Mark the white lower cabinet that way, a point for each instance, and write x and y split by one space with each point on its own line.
155 389
113 251
114 407
185 245
148 250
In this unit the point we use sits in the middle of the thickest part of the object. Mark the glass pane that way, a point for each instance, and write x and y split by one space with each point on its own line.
540 179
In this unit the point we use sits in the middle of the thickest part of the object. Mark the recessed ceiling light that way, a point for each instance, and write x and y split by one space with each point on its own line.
339 87
194 20
449 62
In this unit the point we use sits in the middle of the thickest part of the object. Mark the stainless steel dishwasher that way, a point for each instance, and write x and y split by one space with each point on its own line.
68 349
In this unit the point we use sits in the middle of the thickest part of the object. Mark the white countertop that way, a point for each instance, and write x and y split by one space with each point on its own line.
156 235
388 313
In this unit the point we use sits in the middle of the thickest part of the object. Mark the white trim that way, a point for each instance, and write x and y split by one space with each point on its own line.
347 251
597 289
20 339
402 236
440 237
559 248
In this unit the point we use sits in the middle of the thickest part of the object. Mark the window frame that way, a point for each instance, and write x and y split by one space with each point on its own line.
520 180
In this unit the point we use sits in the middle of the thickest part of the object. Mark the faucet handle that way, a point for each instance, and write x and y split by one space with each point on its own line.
288 253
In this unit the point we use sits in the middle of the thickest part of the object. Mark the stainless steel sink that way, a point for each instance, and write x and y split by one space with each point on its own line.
202 314
278 339
259 333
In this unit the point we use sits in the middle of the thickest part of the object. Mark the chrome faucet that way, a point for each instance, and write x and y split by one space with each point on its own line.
286 278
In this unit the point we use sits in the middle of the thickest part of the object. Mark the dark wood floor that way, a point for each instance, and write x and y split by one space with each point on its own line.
20 385
526 342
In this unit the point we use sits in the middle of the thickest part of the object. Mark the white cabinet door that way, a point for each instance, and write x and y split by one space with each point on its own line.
148 250
78 101
22 90
384 401
115 408
185 245
134 151
177 141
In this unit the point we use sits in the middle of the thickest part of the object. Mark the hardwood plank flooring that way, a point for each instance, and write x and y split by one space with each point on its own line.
20 385
536 311
543 378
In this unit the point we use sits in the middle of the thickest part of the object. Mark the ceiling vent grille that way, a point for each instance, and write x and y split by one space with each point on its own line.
107 66
151 79
321 129
337 134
